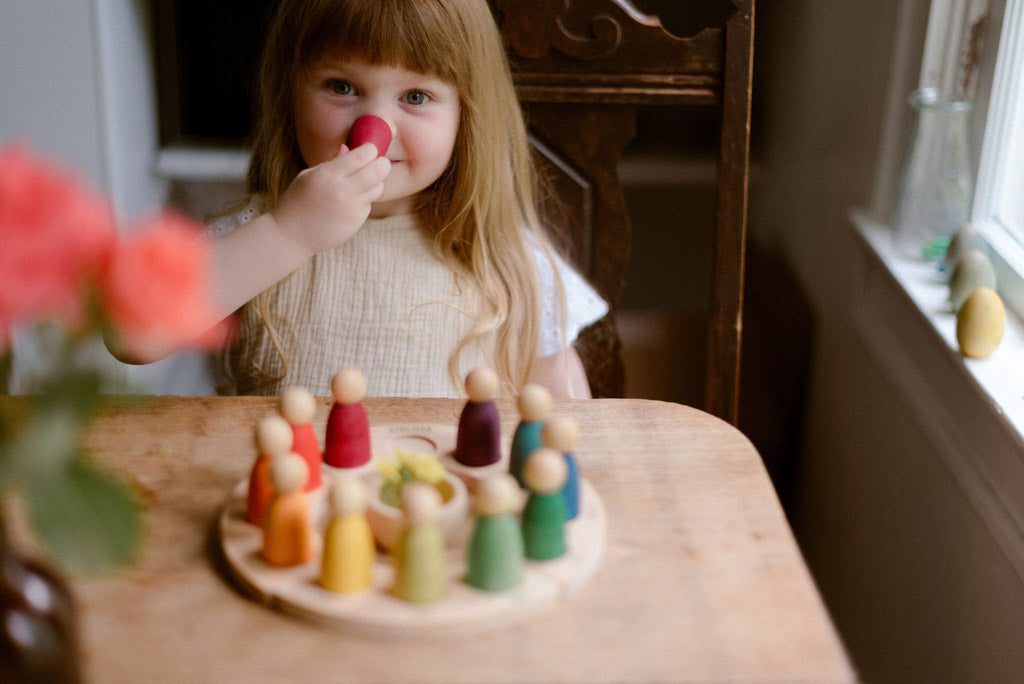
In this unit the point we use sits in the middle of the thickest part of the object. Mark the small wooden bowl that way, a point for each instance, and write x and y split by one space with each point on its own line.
386 520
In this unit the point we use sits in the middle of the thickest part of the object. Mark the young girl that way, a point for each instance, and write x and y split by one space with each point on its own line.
414 266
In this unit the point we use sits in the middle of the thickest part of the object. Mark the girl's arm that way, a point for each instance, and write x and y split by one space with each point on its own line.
322 208
562 374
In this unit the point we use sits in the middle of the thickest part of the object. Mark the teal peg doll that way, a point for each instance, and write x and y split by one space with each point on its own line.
534 406
560 433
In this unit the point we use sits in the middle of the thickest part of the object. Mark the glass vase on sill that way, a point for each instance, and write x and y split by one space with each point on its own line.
936 182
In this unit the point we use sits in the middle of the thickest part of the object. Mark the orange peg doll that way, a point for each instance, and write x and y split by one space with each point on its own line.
273 438
288 526
298 407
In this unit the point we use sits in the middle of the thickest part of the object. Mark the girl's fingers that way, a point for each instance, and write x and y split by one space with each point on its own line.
352 161
342 151
372 174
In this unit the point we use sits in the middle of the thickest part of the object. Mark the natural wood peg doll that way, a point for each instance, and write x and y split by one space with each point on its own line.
288 526
298 407
561 433
349 551
273 437
534 406
421 572
544 515
478 442
347 438
494 555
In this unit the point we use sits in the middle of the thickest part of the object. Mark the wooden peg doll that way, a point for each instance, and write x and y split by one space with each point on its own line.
478 442
534 405
347 439
298 407
544 515
494 555
288 525
560 433
347 563
273 437
421 573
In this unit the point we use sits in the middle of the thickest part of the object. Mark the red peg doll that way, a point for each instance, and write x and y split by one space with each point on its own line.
273 438
298 407
347 439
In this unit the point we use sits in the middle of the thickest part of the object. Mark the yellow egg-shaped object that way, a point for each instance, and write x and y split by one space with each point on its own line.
980 323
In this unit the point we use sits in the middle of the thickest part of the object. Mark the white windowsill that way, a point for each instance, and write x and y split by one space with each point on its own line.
971 411
1001 375
199 164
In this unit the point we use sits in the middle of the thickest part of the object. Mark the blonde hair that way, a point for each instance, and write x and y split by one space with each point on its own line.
479 207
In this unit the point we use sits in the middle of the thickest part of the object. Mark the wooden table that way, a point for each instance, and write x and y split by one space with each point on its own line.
701 578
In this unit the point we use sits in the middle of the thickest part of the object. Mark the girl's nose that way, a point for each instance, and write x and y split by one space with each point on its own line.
372 129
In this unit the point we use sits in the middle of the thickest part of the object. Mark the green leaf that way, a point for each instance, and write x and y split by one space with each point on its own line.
39 446
87 519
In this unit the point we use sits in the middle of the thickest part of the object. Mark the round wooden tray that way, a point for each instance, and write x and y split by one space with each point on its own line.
295 590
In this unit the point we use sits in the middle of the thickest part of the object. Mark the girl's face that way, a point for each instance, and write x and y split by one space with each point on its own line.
422 110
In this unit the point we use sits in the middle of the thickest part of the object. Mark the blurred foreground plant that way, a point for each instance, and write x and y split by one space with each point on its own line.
67 276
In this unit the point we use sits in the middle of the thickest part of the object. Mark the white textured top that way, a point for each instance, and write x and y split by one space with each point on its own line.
385 303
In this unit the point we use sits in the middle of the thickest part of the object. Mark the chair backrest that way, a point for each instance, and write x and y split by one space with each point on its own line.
582 68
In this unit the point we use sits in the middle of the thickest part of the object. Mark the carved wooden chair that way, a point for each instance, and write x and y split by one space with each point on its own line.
582 68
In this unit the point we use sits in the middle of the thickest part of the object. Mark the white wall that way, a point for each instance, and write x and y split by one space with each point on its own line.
48 65
912 560
77 79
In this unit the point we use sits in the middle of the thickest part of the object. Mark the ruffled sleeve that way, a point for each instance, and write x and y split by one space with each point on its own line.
583 306
223 225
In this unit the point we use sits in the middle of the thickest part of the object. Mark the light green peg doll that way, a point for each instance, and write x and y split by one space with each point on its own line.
494 555
418 555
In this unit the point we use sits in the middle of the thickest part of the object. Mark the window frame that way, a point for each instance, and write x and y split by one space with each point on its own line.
1001 164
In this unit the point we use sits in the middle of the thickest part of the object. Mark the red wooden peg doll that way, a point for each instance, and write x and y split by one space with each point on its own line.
347 439
298 407
273 437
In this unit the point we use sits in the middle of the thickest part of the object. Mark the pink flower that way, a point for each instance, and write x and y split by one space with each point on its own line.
53 235
155 289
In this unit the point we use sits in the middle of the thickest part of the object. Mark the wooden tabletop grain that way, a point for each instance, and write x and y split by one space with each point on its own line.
701 578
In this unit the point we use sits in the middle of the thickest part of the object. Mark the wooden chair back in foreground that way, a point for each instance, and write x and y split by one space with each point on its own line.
582 68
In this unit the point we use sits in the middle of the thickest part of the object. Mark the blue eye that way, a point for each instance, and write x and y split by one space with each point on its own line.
417 97
340 87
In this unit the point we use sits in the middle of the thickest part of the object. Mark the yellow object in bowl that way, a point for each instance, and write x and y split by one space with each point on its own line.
980 323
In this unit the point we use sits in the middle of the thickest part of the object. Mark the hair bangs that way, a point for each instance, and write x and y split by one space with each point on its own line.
413 34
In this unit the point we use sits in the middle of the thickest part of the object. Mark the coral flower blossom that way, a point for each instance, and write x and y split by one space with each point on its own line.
54 234
155 288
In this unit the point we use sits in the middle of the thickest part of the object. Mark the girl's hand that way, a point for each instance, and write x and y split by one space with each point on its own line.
325 205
